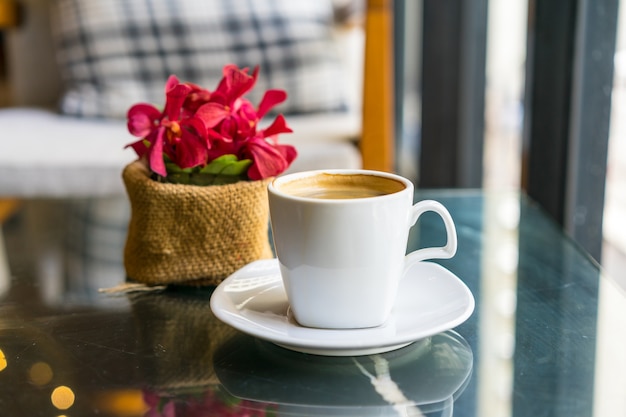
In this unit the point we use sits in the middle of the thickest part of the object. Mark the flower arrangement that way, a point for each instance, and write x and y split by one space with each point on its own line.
204 137
183 234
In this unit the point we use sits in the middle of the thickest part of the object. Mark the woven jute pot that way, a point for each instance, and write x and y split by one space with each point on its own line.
192 235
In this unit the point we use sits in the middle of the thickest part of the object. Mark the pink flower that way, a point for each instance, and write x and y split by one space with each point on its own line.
229 114
198 126
268 157
197 97
182 140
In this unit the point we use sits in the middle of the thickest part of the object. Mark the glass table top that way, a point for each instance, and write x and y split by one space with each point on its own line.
546 336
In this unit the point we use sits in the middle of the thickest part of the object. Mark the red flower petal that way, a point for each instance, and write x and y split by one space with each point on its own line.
171 82
267 160
216 137
155 154
212 114
221 147
176 95
246 110
237 82
142 119
270 99
191 151
229 129
196 125
219 97
139 147
288 152
197 97
279 125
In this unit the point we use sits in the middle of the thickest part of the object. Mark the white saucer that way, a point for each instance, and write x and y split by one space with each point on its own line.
431 299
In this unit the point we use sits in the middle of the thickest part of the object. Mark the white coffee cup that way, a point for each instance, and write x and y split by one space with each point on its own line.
341 238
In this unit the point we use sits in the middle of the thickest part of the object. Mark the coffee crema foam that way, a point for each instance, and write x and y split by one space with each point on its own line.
341 186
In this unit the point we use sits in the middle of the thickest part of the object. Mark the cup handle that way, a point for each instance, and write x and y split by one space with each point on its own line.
443 252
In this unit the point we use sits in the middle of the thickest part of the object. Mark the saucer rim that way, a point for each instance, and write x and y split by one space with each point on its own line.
326 347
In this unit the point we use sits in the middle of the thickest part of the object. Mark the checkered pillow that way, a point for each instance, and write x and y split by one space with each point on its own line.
114 53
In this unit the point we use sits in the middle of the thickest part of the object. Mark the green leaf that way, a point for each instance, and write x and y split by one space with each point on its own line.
227 169
203 179
171 168
178 178
237 168
217 165
227 179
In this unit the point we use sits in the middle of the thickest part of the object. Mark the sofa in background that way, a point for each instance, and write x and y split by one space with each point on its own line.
75 67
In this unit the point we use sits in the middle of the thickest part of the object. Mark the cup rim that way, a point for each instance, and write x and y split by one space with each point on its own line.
273 186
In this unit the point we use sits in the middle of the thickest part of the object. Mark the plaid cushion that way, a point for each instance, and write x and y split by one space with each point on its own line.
114 53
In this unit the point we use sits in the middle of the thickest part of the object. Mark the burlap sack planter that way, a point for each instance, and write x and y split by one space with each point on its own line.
193 235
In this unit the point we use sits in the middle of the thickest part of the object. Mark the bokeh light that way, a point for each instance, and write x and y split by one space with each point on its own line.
62 397
3 361
40 373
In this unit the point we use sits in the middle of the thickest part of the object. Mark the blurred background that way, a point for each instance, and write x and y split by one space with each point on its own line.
513 28
486 94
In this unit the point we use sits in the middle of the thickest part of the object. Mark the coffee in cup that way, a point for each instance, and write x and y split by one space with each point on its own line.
326 185
340 238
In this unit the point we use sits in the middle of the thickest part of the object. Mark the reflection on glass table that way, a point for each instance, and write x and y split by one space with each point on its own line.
424 377
545 338
258 378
